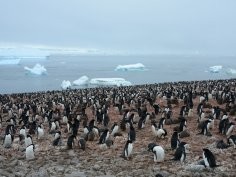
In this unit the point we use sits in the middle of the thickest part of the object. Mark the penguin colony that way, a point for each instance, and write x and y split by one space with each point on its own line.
77 119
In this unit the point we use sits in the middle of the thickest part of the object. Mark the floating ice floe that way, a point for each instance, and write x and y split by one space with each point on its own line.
215 69
231 71
131 67
110 82
84 80
36 70
65 84
9 62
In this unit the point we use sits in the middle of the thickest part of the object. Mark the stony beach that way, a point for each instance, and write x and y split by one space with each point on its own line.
56 161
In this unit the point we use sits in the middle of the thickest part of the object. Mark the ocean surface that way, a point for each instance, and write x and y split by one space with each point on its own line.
15 79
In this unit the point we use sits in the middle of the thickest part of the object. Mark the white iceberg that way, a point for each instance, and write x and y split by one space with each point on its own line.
84 80
231 71
110 82
65 84
131 67
215 69
36 70
9 62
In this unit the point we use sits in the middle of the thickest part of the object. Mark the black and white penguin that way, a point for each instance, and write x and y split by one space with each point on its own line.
180 153
183 125
29 152
141 123
128 149
57 139
53 127
161 123
82 144
69 126
40 132
114 128
154 129
132 133
86 129
23 131
209 158
205 128
232 140
229 128
28 140
70 141
174 140
223 124
104 137
159 152
8 139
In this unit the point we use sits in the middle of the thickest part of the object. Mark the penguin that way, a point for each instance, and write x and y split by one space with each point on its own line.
96 131
159 152
28 140
29 152
154 128
104 137
70 141
109 143
205 128
69 127
161 123
174 140
128 149
8 139
82 144
57 139
86 130
23 131
65 119
132 133
223 124
180 153
232 140
229 128
53 127
40 132
209 158
114 128
161 133
183 125
141 123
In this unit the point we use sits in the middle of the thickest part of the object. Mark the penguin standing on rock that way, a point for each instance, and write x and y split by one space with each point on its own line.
57 139
209 158
159 152
128 149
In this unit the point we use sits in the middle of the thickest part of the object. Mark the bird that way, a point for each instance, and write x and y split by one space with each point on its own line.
29 152
209 158
159 152
128 149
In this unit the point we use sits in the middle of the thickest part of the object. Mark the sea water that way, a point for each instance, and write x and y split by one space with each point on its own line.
166 68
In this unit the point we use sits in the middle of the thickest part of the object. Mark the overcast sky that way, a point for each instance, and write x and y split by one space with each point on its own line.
206 26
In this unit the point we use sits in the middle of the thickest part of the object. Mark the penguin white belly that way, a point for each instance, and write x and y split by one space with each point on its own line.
129 150
182 157
30 153
40 133
7 141
28 141
154 131
115 130
53 127
205 160
86 131
159 154
23 132
160 132
65 120
230 130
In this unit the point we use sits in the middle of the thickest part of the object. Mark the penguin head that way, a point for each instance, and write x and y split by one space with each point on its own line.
151 146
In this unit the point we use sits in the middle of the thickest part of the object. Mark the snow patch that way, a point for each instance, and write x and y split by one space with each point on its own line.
36 70
65 84
84 80
131 67
110 82
215 69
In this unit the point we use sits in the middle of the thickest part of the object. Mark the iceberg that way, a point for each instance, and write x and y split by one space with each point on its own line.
131 67
9 62
110 82
231 71
65 84
84 80
36 70
215 69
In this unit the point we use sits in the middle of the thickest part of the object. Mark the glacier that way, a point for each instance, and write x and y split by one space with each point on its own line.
110 82
215 69
9 61
65 84
131 67
83 80
36 70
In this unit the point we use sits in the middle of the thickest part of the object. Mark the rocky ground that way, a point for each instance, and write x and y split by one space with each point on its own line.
58 161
